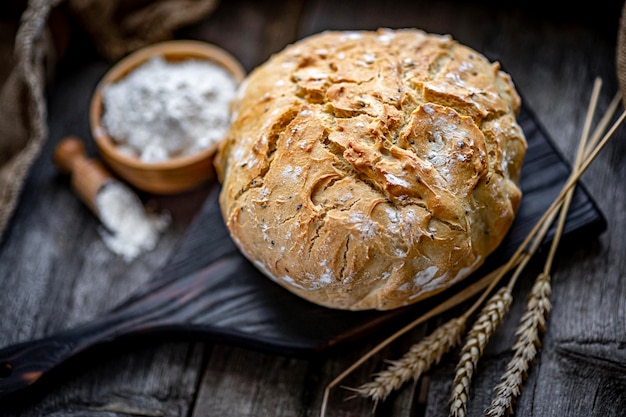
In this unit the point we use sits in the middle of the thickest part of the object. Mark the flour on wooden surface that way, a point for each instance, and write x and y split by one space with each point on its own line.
166 109
128 229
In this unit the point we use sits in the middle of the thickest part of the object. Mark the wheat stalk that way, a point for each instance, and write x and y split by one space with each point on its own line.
477 338
419 359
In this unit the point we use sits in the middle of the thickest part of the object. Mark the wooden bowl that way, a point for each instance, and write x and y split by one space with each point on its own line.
177 174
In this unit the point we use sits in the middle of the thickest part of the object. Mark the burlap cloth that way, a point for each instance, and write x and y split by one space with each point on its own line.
116 27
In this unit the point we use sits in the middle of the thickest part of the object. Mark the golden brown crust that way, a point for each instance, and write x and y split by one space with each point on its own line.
369 170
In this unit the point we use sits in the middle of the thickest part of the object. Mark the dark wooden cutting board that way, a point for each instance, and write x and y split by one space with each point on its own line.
209 290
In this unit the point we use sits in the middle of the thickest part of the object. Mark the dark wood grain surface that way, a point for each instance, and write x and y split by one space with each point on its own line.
55 272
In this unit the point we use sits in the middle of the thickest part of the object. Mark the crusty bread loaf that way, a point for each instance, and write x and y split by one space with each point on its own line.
372 169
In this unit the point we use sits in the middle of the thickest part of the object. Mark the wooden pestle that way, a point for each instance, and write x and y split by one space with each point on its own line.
88 175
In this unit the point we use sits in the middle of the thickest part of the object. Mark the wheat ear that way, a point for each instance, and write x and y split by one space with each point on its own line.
419 359
486 324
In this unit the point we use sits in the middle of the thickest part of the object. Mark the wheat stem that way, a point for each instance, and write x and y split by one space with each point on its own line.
603 123
580 154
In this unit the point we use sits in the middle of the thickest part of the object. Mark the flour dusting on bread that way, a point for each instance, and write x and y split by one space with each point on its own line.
372 169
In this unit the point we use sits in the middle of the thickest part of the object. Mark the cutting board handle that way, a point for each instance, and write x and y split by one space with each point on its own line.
158 306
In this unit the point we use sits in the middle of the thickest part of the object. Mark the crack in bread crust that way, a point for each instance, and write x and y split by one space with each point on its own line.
372 169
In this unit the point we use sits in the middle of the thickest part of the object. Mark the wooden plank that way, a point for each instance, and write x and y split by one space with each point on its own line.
257 383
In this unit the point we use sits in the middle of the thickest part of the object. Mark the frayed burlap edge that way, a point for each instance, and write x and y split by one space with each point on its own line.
26 85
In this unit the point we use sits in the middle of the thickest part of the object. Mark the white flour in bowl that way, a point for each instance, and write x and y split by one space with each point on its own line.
166 109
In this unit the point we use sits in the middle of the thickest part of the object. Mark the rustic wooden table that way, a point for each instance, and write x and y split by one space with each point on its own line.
56 273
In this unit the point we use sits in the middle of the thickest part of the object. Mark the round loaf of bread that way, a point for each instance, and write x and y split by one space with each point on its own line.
372 169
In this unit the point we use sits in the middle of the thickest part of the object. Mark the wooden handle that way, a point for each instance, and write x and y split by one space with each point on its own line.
88 175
